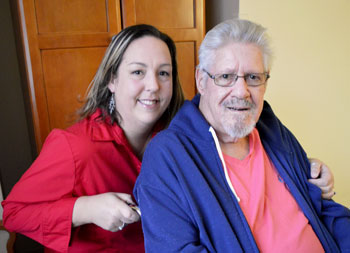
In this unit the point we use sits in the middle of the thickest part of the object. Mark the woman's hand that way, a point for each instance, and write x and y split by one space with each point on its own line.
109 211
322 176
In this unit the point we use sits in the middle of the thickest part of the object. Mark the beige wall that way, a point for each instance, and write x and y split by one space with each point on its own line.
310 84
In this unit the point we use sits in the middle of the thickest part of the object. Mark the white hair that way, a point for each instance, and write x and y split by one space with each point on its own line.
234 30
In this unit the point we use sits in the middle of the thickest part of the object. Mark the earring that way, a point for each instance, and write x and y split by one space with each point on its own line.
111 105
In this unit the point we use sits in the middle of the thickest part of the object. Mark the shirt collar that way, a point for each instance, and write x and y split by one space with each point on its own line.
103 130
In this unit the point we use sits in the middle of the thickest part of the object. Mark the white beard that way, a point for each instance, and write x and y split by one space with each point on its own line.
241 125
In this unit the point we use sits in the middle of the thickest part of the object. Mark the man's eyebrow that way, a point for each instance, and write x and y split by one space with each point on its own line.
227 70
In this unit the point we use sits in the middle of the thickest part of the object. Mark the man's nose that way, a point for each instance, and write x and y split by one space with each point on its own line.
240 88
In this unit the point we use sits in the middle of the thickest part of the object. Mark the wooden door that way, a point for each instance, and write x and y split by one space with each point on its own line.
64 42
182 20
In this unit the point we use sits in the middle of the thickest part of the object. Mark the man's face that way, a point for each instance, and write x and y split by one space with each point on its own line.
232 111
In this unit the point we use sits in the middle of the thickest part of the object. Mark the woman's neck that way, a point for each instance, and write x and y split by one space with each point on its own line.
138 138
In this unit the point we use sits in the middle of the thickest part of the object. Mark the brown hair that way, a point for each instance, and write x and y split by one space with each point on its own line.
98 93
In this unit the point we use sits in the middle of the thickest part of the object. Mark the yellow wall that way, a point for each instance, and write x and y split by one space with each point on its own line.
309 87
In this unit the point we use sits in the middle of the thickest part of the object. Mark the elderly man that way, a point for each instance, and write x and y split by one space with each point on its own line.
227 176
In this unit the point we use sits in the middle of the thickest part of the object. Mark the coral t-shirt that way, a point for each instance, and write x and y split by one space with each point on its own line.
274 217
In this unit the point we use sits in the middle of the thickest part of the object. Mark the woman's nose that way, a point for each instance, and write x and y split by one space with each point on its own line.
152 83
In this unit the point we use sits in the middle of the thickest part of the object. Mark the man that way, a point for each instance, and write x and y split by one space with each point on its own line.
227 176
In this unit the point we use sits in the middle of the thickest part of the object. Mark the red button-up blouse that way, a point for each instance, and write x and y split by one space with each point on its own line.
89 158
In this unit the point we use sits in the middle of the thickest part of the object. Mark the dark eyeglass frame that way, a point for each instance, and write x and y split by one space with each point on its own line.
235 78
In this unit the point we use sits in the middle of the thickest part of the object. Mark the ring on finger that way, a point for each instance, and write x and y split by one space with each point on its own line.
121 226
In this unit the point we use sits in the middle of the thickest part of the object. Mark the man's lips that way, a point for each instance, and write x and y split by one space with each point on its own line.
238 105
232 108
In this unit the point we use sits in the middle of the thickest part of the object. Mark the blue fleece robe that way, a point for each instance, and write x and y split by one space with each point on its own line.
188 206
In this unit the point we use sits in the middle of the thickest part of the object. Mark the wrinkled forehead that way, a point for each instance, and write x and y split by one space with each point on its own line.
237 57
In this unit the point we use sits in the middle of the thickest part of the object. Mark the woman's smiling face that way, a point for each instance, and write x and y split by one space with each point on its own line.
143 86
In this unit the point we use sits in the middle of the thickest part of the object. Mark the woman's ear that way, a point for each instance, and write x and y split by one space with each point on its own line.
200 81
112 85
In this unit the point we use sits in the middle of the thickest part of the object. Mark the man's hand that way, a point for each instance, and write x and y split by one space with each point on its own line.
322 176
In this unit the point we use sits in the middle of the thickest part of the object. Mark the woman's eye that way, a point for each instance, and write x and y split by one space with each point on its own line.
137 72
164 73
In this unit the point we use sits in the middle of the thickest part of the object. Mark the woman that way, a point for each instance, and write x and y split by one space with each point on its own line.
76 196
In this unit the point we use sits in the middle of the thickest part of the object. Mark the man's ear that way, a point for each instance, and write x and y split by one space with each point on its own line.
200 81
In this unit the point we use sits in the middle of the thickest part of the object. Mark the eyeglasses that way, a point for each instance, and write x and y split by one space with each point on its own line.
228 80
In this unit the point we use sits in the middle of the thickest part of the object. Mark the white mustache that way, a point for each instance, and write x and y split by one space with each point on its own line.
236 102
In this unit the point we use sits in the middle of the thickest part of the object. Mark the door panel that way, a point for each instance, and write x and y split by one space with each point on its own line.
71 16
186 52
66 86
63 42
170 14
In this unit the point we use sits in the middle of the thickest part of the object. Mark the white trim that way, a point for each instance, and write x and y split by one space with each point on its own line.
217 144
